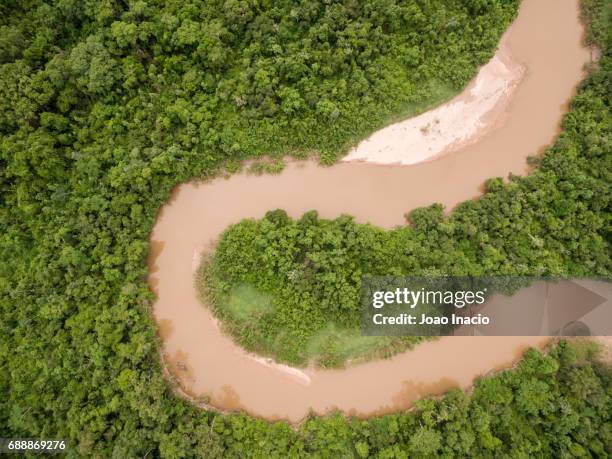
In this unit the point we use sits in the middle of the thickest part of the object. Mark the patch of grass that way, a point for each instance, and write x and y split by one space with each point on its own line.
333 346
267 166
336 346
244 302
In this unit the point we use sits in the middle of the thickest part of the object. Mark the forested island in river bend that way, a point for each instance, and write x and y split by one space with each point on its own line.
107 106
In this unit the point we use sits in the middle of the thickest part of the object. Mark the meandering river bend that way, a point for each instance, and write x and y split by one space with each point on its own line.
546 40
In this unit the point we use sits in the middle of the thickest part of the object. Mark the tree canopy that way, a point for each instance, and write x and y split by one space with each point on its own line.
106 105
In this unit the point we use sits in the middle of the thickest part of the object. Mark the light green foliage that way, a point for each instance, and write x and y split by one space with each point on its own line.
247 303
333 346
312 269
597 14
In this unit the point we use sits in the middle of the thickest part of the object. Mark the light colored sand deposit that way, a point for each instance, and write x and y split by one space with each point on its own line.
462 121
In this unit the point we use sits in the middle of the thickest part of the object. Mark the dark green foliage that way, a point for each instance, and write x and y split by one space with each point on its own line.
232 79
536 410
106 105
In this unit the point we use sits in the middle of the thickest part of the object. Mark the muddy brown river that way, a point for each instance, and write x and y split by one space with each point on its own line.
546 40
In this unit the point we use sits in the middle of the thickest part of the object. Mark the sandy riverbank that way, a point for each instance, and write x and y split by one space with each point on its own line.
478 110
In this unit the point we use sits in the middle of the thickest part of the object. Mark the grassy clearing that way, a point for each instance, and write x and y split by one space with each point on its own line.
335 346
245 302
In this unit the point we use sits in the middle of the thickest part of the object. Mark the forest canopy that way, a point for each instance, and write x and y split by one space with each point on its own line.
105 106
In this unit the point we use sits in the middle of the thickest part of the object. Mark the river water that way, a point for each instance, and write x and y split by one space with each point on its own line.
546 40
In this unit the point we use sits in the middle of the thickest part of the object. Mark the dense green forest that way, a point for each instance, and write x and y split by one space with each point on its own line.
106 105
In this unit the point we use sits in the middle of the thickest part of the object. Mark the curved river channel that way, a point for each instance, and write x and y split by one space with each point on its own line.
546 40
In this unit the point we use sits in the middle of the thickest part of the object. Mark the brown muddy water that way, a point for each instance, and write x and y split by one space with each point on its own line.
546 40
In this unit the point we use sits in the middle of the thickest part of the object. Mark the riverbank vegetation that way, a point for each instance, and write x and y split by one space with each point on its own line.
556 405
106 106
554 222
290 288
